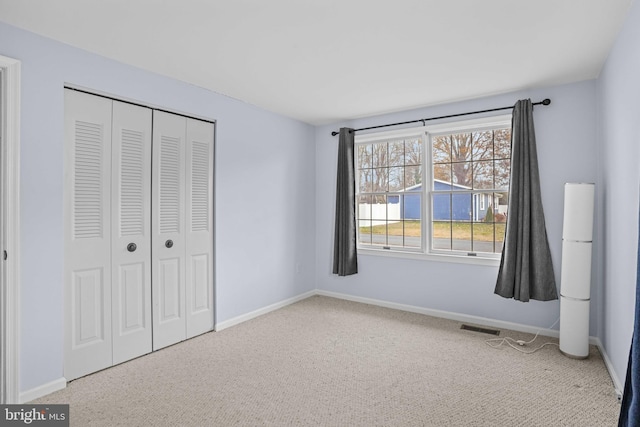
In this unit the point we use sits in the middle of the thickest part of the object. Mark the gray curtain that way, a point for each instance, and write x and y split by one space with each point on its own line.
526 269
345 260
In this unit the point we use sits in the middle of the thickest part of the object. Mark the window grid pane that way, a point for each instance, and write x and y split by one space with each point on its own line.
387 216
481 230
471 206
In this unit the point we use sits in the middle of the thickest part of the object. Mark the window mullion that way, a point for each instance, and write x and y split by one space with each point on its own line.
426 208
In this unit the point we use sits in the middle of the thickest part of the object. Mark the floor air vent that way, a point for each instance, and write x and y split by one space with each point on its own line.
477 329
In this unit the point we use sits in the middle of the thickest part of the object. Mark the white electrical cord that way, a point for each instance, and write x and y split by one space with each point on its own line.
517 344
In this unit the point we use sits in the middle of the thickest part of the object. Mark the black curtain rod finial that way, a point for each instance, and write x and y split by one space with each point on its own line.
546 101
334 133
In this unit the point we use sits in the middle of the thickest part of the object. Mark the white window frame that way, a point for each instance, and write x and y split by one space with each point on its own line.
381 137
426 133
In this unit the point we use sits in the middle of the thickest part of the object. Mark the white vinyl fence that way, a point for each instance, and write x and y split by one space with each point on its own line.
378 212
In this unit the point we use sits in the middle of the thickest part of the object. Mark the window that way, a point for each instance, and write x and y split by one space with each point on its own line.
451 201
389 195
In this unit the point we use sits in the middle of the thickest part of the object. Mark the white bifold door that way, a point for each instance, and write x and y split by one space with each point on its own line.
131 231
87 217
182 228
138 231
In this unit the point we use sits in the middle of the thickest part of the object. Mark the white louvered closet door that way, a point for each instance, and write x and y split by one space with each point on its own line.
199 227
131 237
87 272
168 229
138 231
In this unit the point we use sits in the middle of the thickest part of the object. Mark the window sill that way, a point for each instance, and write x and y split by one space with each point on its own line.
457 259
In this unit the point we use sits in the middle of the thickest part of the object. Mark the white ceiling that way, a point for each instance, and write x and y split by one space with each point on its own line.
325 61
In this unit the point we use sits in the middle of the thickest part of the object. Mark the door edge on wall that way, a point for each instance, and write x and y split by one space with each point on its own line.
10 224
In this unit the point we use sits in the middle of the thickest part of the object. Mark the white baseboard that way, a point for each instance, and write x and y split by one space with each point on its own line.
483 321
264 310
43 390
617 384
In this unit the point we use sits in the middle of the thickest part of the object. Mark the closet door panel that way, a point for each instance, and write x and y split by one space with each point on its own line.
199 227
168 229
87 229
169 285
131 225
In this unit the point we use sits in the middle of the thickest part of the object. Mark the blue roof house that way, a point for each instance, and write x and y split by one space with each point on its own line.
446 207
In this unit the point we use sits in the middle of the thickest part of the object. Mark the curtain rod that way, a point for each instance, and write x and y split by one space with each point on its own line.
546 101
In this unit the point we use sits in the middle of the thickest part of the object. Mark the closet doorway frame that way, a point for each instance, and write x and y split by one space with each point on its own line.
10 230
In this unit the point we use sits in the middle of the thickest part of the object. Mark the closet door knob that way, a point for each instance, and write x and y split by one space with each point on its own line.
131 247
168 243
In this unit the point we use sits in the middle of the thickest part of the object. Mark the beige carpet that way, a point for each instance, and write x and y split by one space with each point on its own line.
328 362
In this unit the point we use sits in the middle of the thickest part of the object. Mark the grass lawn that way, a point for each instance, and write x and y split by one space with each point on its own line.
461 230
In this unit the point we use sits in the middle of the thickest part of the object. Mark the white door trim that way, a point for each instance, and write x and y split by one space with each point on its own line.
10 193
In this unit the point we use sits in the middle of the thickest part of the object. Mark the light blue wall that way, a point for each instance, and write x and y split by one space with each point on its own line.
262 237
567 152
619 153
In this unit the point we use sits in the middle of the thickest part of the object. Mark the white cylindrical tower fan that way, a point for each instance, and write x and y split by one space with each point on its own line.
575 280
